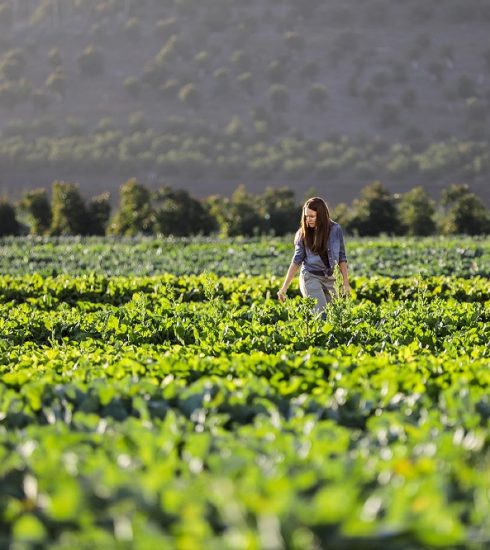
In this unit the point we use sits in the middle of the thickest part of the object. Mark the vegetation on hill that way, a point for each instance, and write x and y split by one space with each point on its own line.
207 94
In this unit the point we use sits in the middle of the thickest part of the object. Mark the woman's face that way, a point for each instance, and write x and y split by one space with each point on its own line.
310 217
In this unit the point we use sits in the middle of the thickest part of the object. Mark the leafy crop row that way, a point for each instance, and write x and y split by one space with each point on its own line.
460 256
198 411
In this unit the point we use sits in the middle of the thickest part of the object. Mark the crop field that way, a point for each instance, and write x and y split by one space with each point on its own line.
155 394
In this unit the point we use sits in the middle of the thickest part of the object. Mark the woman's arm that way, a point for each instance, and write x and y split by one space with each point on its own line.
293 269
345 276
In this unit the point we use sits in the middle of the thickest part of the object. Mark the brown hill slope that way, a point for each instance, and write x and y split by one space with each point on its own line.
208 93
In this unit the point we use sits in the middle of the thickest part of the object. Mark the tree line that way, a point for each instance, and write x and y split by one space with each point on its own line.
168 211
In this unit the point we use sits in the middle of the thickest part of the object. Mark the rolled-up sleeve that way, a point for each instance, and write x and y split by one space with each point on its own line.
299 250
342 254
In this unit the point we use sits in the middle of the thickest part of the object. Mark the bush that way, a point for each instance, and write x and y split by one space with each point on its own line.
91 61
375 212
179 214
416 212
465 212
99 211
279 209
69 215
135 214
37 206
8 220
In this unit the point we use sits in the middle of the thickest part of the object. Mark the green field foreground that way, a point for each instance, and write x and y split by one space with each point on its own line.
167 403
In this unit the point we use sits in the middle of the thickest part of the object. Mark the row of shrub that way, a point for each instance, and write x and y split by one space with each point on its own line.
168 211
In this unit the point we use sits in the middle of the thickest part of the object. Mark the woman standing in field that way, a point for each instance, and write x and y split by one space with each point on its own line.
319 247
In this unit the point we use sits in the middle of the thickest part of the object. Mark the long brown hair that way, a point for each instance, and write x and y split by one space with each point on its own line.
316 238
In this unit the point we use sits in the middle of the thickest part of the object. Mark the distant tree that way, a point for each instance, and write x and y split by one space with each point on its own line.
279 97
245 82
466 87
69 215
375 212
317 96
465 212
132 87
202 59
294 41
486 58
12 64
137 121
342 214
416 212
41 100
132 29
99 211
389 115
234 129
54 57
242 60
309 70
8 98
189 95
222 80
170 88
475 110
56 82
8 220
91 61
436 69
239 215
276 71
38 208
409 98
135 210
177 213
279 209
6 16
165 28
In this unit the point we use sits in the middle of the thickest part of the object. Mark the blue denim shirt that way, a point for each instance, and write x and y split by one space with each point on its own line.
311 261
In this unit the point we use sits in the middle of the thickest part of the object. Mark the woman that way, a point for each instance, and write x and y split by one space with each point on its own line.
319 247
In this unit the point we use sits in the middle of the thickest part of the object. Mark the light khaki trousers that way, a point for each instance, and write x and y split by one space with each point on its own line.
320 287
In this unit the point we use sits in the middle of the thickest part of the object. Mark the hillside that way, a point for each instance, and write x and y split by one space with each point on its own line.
205 94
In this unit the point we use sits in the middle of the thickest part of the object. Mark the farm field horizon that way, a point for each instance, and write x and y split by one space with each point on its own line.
155 393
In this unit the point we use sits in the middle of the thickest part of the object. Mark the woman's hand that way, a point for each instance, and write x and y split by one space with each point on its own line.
346 288
282 294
